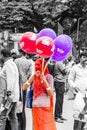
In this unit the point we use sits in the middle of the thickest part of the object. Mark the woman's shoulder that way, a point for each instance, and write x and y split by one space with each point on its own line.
49 76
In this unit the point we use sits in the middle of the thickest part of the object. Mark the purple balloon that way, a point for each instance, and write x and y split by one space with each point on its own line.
63 45
58 58
47 32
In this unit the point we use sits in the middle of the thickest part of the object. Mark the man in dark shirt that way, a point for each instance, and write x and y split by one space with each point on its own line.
59 85
26 69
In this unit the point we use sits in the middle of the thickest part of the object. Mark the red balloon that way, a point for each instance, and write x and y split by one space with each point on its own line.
45 46
28 42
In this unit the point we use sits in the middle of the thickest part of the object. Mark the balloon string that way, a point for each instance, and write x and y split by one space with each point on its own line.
46 66
42 64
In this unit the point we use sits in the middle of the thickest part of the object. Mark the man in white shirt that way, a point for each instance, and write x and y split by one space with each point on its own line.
78 80
10 82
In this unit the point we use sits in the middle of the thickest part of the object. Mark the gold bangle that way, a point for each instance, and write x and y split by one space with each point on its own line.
49 88
27 83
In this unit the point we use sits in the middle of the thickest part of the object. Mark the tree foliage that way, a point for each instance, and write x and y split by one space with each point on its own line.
24 15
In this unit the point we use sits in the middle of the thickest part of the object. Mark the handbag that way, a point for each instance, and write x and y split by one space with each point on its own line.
19 107
29 97
79 103
42 100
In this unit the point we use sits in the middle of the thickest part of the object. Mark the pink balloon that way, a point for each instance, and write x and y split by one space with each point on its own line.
45 46
28 42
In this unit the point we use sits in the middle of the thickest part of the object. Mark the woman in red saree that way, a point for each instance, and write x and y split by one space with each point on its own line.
42 109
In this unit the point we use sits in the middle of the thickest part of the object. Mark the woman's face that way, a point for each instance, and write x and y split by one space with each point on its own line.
38 69
38 66
37 73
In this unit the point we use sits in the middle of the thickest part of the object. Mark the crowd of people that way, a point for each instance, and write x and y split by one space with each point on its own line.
19 70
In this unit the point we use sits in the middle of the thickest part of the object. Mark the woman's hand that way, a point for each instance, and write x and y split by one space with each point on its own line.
43 78
48 88
27 84
37 73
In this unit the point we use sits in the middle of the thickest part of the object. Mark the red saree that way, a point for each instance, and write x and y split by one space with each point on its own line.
43 118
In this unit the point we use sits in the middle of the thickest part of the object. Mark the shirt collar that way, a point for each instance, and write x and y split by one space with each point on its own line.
10 59
23 57
80 66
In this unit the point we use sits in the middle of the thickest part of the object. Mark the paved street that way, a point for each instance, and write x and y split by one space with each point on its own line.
67 113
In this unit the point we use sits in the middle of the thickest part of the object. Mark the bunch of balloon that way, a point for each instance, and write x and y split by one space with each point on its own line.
63 46
41 44
47 44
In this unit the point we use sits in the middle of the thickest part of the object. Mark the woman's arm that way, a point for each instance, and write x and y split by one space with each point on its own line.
48 84
27 84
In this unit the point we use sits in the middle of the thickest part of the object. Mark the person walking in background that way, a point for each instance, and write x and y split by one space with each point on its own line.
3 98
26 69
50 65
69 90
42 110
3 93
9 91
78 81
59 85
